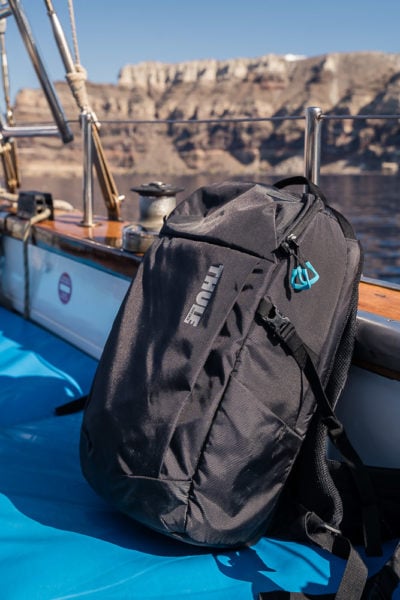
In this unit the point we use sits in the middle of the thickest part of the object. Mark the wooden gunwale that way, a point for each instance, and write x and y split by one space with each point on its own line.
384 301
100 245
380 300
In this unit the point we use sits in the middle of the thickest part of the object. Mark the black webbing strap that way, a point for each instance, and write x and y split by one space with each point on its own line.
71 407
353 580
355 573
285 331
382 585
354 577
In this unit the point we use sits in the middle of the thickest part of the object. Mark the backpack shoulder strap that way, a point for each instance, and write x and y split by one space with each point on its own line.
282 328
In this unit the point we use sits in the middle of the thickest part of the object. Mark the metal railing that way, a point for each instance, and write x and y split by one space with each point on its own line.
313 118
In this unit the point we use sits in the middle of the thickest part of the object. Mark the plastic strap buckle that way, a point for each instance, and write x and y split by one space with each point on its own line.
280 325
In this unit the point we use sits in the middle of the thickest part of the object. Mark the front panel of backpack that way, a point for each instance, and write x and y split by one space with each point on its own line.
197 413
153 401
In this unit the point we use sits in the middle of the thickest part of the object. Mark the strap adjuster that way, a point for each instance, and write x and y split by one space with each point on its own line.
279 325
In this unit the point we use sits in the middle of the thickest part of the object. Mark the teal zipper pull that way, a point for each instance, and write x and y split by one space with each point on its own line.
300 278
303 274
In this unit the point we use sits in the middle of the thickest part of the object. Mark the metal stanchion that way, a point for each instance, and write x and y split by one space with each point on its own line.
87 125
312 143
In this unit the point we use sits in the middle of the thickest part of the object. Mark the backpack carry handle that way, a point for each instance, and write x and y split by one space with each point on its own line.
314 189
301 180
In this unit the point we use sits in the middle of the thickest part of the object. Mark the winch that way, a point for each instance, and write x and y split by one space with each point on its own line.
156 201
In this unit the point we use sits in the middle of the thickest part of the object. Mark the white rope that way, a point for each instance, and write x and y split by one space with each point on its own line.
73 31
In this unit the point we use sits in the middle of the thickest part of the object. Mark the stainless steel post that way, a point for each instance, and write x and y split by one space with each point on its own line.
312 143
48 89
28 131
87 124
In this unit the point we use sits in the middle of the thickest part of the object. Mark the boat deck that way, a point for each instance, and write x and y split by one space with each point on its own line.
65 542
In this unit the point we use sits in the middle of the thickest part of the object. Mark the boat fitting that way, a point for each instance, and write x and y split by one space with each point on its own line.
156 201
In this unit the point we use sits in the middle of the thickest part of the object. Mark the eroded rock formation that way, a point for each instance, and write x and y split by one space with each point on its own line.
347 84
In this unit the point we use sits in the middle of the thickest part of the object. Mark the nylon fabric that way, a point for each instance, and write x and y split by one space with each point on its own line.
224 214
191 391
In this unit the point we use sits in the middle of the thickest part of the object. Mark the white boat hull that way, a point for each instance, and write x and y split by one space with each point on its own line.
370 410
72 299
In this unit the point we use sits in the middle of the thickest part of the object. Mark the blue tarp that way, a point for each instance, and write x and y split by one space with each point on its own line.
58 540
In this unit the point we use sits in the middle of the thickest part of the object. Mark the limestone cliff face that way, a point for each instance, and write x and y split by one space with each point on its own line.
353 83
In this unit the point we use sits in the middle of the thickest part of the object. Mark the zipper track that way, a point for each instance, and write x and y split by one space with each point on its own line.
304 218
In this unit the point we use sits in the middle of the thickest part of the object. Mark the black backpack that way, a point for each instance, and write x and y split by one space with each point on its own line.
215 391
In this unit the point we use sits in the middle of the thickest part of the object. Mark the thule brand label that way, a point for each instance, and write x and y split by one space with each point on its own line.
204 296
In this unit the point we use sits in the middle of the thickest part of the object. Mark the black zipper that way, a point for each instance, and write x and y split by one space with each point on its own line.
304 218
303 274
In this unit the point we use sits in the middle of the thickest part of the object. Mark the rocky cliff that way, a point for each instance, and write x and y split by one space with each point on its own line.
354 83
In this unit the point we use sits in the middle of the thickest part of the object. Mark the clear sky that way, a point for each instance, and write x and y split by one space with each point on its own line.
114 33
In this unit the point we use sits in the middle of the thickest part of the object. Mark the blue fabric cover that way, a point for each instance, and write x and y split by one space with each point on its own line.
58 540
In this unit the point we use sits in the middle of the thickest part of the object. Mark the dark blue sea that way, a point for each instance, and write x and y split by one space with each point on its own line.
370 201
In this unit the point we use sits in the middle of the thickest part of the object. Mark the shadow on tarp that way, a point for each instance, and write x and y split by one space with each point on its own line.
38 371
51 349
40 474
28 399
291 566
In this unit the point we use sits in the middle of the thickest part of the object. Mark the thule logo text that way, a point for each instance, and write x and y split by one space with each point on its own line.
203 297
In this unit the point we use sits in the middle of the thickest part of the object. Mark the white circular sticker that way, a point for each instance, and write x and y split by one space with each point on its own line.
65 288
